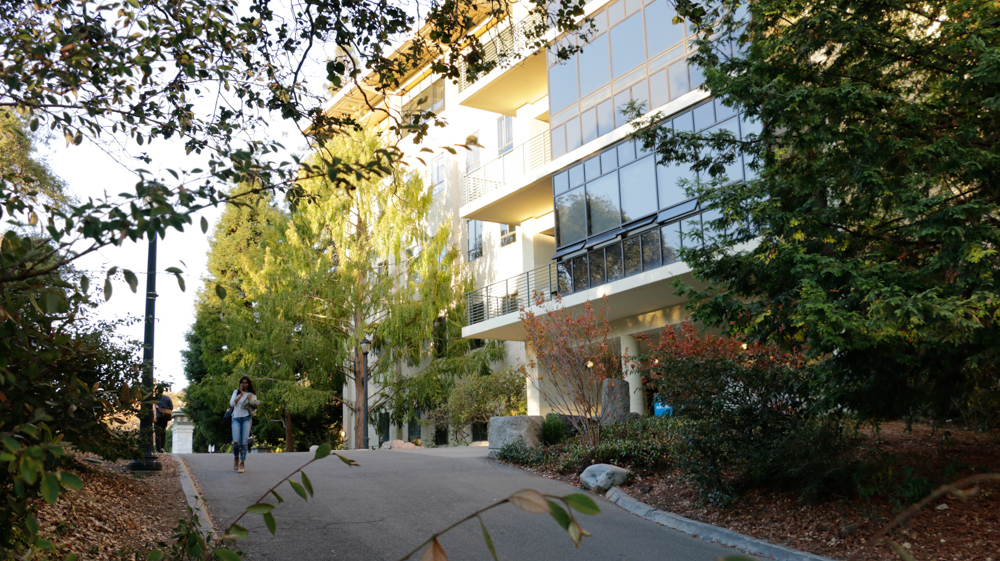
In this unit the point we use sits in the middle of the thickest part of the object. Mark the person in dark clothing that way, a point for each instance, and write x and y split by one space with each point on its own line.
163 412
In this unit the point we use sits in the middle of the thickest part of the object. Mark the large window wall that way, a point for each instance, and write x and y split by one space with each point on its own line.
636 54
622 189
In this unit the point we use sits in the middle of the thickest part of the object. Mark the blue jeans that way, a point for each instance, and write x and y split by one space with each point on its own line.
241 432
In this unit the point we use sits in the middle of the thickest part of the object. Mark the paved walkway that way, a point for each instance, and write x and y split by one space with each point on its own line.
397 499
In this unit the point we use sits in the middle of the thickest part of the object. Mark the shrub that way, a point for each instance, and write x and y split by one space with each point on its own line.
521 454
553 429
646 444
752 419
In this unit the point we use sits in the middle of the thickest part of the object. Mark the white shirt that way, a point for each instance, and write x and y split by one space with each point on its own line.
240 409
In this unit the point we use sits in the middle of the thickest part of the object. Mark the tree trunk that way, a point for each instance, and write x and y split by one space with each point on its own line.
289 437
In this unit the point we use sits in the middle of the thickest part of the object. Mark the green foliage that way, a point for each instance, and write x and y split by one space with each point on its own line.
868 230
751 419
477 397
553 429
521 454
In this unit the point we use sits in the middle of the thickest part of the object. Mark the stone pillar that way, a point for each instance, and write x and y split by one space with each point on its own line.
637 392
531 383
183 433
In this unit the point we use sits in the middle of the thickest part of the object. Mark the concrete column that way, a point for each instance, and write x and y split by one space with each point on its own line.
182 441
637 393
532 384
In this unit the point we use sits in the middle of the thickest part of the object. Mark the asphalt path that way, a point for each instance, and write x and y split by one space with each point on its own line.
395 500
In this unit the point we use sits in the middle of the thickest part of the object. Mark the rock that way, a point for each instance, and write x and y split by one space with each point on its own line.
398 445
601 477
508 430
614 402
313 448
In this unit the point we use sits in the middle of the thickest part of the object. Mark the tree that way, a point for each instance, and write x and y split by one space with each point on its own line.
574 351
869 233
363 264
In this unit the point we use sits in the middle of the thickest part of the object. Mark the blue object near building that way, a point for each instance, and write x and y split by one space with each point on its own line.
661 409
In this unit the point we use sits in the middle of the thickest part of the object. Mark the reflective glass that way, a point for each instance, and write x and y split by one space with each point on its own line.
721 111
603 204
616 12
621 103
659 91
668 178
632 255
588 124
558 142
734 170
576 176
691 232
605 117
609 160
626 153
697 76
563 85
579 273
670 241
679 84
685 122
571 217
661 32
711 230
593 168
650 250
638 189
640 94
595 64
560 182
704 116
564 276
573 138
613 261
596 267
628 49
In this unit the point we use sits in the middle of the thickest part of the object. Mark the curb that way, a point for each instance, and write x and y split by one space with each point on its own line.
723 536
194 500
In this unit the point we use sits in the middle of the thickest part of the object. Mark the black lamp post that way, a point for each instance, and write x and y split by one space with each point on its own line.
365 345
149 461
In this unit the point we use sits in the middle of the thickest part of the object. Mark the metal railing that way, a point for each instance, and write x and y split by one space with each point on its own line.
510 295
507 44
508 168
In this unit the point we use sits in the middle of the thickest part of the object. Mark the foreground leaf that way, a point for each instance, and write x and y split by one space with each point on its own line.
434 552
530 500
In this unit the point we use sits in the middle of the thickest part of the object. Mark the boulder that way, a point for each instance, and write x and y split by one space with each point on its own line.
601 477
615 402
398 445
508 430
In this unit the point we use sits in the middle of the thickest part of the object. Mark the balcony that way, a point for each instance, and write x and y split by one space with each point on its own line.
631 272
509 86
513 187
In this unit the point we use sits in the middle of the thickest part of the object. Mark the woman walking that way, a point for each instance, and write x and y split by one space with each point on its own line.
244 403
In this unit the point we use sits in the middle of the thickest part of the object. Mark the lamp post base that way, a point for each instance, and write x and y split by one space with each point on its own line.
150 462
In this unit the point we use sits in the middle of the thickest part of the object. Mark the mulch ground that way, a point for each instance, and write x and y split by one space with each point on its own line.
118 515
946 529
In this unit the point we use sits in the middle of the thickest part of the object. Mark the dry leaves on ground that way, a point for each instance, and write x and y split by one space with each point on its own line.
118 515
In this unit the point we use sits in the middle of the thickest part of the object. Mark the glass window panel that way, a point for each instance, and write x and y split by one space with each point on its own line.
613 262
621 103
661 32
573 138
616 12
707 218
606 117
596 267
668 179
580 273
697 76
576 177
558 141
588 122
659 91
571 217
679 84
704 116
734 170
600 22
633 256
563 85
560 182
691 232
593 168
564 277
628 49
631 6
640 94
596 64
750 127
603 204
685 122
721 111
638 189
626 152
670 236
609 160
650 250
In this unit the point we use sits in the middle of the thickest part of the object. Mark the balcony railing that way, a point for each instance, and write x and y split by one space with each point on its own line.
507 43
509 167
642 251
